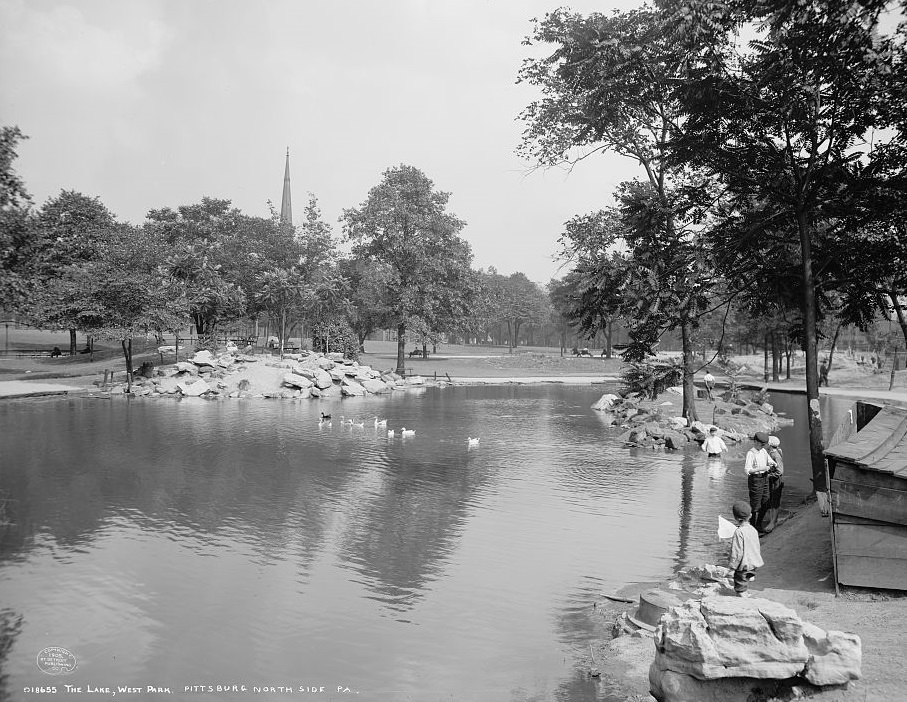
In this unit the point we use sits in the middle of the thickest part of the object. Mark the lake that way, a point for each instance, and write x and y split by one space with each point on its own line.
191 544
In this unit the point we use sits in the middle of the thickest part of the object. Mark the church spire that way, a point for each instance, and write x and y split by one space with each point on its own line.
286 208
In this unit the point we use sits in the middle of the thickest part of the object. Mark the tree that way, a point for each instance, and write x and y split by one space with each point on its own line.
608 85
404 225
202 241
370 305
284 293
784 123
15 230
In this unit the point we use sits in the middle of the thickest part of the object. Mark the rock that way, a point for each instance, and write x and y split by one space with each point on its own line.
244 385
375 387
324 363
767 408
186 367
304 371
297 381
835 657
323 379
351 388
196 389
605 402
637 435
203 358
337 373
415 380
670 686
725 637
680 421
674 440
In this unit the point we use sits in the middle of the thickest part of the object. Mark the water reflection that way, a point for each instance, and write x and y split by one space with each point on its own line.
242 541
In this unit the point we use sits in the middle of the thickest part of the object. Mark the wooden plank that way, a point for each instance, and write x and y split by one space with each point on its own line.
870 502
875 541
889 445
861 571
849 473
885 430
849 519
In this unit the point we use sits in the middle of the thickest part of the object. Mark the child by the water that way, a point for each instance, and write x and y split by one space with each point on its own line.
714 444
746 556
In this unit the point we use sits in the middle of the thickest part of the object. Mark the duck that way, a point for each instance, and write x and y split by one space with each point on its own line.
473 442
380 423
390 433
324 422
325 416
407 432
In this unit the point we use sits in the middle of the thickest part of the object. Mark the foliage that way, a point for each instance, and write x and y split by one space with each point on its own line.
335 336
650 379
404 226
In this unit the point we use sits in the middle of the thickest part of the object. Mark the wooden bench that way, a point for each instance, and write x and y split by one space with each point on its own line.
416 352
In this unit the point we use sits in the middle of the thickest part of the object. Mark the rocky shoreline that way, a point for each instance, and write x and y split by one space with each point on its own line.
657 424
232 374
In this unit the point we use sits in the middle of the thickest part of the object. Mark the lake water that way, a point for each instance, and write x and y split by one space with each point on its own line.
193 543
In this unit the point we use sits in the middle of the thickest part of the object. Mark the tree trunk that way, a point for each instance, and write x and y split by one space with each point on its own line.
608 333
816 447
834 342
127 354
899 311
776 358
72 342
401 347
689 371
765 365
424 350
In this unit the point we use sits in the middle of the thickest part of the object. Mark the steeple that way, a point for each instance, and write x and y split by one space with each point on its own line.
286 208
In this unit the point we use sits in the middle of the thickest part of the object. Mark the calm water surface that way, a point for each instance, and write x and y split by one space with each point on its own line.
181 543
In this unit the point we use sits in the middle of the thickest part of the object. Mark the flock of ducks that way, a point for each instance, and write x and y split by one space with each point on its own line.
326 421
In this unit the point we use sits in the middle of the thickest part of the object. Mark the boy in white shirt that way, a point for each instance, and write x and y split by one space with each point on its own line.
757 465
714 444
746 555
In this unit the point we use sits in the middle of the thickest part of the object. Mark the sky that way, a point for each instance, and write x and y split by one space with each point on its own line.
158 103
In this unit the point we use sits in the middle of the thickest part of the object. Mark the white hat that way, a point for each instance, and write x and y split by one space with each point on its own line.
774 441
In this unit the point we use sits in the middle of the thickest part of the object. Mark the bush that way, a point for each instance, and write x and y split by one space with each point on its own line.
335 337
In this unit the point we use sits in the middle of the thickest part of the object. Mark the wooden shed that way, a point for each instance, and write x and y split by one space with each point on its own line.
867 471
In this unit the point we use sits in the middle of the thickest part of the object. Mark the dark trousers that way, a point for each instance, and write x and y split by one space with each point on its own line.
775 486
758 489
742 579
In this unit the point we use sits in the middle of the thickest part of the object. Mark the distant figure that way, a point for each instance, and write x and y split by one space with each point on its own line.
746 554
709 384
823 374
714 444
56 352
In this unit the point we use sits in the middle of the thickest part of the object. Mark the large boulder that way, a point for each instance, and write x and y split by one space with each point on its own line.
297 381
727 648
835 657
375 387
196 389
351 388
605 402
726 637
203 358
323 379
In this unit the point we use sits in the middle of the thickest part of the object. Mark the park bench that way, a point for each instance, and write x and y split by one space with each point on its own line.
34 353
415 352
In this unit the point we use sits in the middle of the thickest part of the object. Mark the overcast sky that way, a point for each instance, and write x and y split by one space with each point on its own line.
155 103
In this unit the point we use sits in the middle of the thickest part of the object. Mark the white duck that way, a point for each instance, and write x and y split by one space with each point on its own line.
379 423
473 442
390 433
407 432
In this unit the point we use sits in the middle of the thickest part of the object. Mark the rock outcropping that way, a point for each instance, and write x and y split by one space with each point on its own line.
724 648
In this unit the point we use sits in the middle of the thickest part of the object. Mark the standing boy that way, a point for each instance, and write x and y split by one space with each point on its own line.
714 444
756 468
746 555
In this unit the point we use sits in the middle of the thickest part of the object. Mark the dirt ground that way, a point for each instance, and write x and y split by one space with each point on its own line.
797 553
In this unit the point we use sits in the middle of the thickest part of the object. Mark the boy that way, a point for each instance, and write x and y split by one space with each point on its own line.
714 444
757 465
746 555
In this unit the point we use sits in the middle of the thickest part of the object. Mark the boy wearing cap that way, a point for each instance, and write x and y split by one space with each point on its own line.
746 555
757 465
714 444
775 483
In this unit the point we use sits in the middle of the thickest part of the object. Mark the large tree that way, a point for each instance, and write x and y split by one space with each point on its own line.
785 122
608 86
404 224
